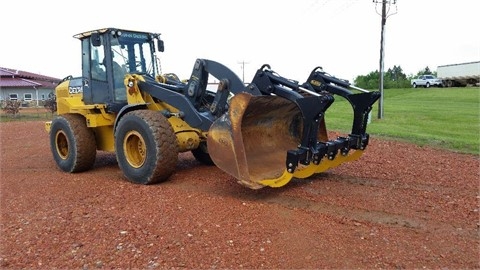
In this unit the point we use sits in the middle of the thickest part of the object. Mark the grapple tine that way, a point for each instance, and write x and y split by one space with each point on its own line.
326 164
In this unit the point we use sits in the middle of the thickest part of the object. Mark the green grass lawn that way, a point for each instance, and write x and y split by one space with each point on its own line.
28 114
447 118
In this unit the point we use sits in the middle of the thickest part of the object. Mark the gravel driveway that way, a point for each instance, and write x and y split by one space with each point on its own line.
399 206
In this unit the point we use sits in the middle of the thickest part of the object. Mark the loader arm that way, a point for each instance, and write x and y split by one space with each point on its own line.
189 97
197 84
174 94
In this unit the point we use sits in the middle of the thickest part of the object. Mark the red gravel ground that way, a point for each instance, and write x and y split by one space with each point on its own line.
399 206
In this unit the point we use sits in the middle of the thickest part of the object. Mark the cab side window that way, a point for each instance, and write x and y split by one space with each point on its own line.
97 66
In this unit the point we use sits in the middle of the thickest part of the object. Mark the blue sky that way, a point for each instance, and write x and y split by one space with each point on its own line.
292 36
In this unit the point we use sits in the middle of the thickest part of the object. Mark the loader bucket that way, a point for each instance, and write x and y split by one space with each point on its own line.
251 140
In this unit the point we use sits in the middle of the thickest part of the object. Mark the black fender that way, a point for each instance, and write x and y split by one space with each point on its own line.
126 109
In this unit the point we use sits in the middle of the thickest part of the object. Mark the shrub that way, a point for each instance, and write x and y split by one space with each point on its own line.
12 107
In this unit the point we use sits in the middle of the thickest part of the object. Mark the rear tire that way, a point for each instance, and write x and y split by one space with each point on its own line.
427 85
72 143
201 154
414 85
146 147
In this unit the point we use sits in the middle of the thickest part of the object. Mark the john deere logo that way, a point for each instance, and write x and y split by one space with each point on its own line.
75 89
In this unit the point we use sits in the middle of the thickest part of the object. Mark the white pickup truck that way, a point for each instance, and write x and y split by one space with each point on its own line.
426 81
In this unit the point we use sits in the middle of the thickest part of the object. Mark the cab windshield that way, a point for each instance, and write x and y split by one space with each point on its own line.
134 52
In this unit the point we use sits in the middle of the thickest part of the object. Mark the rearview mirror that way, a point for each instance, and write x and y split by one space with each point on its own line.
160 45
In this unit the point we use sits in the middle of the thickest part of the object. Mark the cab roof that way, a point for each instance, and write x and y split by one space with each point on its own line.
103 30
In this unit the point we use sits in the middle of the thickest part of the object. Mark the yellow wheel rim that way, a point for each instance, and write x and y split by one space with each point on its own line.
134 149
61 144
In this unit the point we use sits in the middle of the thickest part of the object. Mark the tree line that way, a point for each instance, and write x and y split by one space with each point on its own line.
392 78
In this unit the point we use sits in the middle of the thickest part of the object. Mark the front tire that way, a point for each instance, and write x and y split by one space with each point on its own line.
146 147
72 143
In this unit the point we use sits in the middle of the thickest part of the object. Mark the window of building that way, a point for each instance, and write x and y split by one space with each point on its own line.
13 96
43 96
27 97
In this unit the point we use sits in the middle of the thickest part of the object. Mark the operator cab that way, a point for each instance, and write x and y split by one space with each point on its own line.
108 55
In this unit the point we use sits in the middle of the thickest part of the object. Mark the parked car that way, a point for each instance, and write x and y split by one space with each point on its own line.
426 81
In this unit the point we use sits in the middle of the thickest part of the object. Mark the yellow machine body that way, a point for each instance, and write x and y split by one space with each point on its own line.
102 122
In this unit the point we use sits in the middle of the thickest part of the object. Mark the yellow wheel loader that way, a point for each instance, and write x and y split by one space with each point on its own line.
263 134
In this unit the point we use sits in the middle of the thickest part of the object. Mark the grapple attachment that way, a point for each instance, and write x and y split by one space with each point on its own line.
268 139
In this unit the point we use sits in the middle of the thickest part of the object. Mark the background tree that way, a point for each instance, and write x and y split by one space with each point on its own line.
393 78
426 71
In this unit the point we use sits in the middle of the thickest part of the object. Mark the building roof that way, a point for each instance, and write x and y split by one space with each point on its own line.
13 78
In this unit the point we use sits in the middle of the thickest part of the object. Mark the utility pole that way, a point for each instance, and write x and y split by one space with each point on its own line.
385 14
243 63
